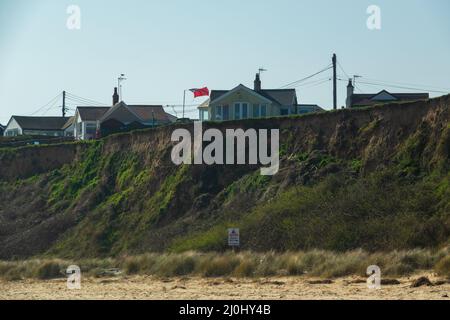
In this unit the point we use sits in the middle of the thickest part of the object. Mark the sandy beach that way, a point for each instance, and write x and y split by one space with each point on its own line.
286 288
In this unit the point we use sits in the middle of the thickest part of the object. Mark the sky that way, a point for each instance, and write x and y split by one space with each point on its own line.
164 47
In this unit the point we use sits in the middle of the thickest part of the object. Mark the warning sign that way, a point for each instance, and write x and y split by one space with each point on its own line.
233 237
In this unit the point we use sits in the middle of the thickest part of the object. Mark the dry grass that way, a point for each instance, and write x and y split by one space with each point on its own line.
317 263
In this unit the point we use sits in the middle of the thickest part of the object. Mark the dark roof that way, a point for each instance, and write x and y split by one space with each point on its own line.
148 113
314 107
285 97
92 113
41 123
215 94
366 99
143 113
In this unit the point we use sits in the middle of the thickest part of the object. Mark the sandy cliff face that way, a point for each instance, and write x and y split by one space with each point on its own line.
123 194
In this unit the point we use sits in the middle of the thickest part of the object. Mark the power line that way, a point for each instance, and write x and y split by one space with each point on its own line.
47 104
306 78
313 82
319 83
407 84
399 87
73 96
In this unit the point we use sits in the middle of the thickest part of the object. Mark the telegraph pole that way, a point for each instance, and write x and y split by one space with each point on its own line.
64 104
184 101
334 82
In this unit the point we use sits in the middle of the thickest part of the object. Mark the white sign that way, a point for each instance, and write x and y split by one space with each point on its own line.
233 237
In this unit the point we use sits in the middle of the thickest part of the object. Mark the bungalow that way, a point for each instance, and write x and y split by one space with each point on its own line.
91 121
243 103
36 126
365 100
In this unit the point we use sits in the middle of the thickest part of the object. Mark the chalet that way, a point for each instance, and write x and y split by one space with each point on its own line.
92 121
366 100
36 126
243 103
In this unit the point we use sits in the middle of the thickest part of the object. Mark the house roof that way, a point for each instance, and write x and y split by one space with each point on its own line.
140 113
367 99
148 113
205 104
314 107
284 97
68 123
41 123
92 113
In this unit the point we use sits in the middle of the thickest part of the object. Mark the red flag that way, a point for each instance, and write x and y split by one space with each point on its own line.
200 92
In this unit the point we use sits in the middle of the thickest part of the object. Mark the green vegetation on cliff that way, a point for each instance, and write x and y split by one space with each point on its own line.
374 185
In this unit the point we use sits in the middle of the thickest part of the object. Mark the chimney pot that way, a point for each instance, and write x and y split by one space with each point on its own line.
115 97
257 83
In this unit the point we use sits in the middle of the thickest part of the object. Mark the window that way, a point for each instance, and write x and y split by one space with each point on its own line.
226 112
12 132
263 111
284 111
256 111
91 129
203 115
241 110
259 111
237 111
219 113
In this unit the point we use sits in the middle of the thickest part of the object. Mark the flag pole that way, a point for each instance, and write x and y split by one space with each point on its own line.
184 101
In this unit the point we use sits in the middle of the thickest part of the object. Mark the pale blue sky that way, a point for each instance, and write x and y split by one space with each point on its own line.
166 46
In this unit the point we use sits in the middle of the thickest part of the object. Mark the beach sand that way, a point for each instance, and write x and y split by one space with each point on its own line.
285 288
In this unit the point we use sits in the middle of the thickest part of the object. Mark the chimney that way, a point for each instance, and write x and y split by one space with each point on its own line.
257 86
350 91
115 97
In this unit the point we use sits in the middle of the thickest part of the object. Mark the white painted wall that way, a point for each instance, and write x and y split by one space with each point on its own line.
12 126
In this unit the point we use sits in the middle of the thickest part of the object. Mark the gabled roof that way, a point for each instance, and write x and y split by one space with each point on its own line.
225 94
148 113
139 113
312 107
41 123
120 112
284 97
367 99
92 113
69 123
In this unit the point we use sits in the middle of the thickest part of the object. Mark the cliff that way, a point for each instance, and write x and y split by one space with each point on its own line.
375 178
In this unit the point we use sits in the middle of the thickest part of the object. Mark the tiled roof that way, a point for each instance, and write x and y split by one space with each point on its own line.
284 97
366 99
92 113
41 123
140 113
147 113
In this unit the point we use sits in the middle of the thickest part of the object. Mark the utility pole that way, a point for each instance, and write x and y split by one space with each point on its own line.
119 85
64 104
334 82
184 101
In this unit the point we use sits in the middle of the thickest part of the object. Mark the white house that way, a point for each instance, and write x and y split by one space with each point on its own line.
35 126
86 121
242 102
